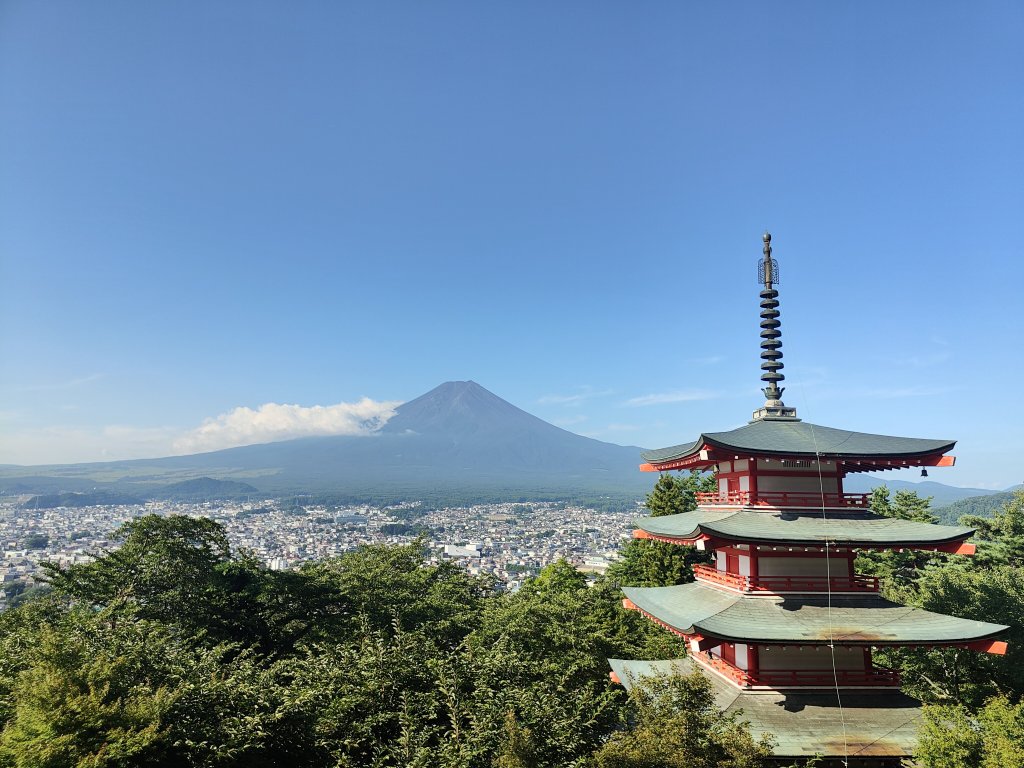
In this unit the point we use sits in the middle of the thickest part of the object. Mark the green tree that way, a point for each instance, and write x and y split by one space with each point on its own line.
1001 537
651 563
904 505
988 587
899 571
85 687
675 494
36 541
517 750
390 586
166 567
559 578
960 675
677 725
76 707
952 737
180 571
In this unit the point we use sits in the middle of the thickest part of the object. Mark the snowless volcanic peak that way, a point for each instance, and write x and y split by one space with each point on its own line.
461 408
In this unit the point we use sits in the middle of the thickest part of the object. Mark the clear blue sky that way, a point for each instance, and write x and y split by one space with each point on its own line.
205 206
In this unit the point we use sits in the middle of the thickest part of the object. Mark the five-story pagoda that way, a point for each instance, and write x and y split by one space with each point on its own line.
781 622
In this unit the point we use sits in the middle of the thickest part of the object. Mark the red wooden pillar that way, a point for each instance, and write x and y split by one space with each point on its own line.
729 653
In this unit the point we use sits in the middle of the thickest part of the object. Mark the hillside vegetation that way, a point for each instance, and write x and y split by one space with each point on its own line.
173 650
980 506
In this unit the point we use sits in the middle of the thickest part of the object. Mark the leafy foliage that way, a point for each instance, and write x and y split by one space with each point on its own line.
987 587
678 726
952 737
1002 535
898 570
650 563
675 494
976 506
172 650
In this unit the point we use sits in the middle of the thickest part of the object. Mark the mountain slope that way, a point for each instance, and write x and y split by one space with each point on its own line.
941 493
456 438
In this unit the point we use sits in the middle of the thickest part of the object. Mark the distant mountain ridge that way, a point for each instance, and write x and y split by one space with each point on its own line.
941 493
458 437
456 441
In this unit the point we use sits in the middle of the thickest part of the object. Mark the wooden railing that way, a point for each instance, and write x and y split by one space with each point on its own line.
779 584
826 678
811 678
783 499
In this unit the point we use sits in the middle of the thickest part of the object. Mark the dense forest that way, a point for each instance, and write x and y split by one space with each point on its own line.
174 650
976 506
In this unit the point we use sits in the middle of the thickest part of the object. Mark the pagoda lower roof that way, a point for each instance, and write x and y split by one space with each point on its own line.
698 609
882 724
802 439
846 528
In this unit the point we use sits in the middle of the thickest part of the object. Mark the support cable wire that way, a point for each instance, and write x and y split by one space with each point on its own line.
828 587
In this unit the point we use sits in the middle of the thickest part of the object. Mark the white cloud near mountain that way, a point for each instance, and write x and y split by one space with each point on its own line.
676 396
271 422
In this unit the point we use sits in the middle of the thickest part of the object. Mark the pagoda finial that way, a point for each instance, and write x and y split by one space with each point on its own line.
771 339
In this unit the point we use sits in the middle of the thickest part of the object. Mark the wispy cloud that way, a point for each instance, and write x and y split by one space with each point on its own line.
63 444
273 421
675 396
925 360
269 422
569 420
54 386
889 393
585 393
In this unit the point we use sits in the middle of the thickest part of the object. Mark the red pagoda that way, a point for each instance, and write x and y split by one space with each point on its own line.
780 622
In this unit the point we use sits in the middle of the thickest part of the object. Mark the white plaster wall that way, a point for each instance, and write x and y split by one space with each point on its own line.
769 483
799 566
744 565
741 656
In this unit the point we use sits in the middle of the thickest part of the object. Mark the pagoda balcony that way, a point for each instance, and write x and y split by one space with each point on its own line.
876 677
780 499
782 584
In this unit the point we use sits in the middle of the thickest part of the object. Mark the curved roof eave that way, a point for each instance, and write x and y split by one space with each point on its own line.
864 529
801 438
862 620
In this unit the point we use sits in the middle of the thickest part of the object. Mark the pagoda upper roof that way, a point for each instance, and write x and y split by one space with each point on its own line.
857 528
803 724
768 437
798 620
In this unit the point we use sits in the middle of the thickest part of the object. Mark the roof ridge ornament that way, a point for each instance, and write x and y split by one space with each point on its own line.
771 340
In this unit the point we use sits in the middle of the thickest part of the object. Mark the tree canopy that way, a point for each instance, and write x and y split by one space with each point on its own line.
173 650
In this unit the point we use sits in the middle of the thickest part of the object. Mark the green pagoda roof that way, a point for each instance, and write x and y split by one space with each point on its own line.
855 528
799 438
796 620
878 724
